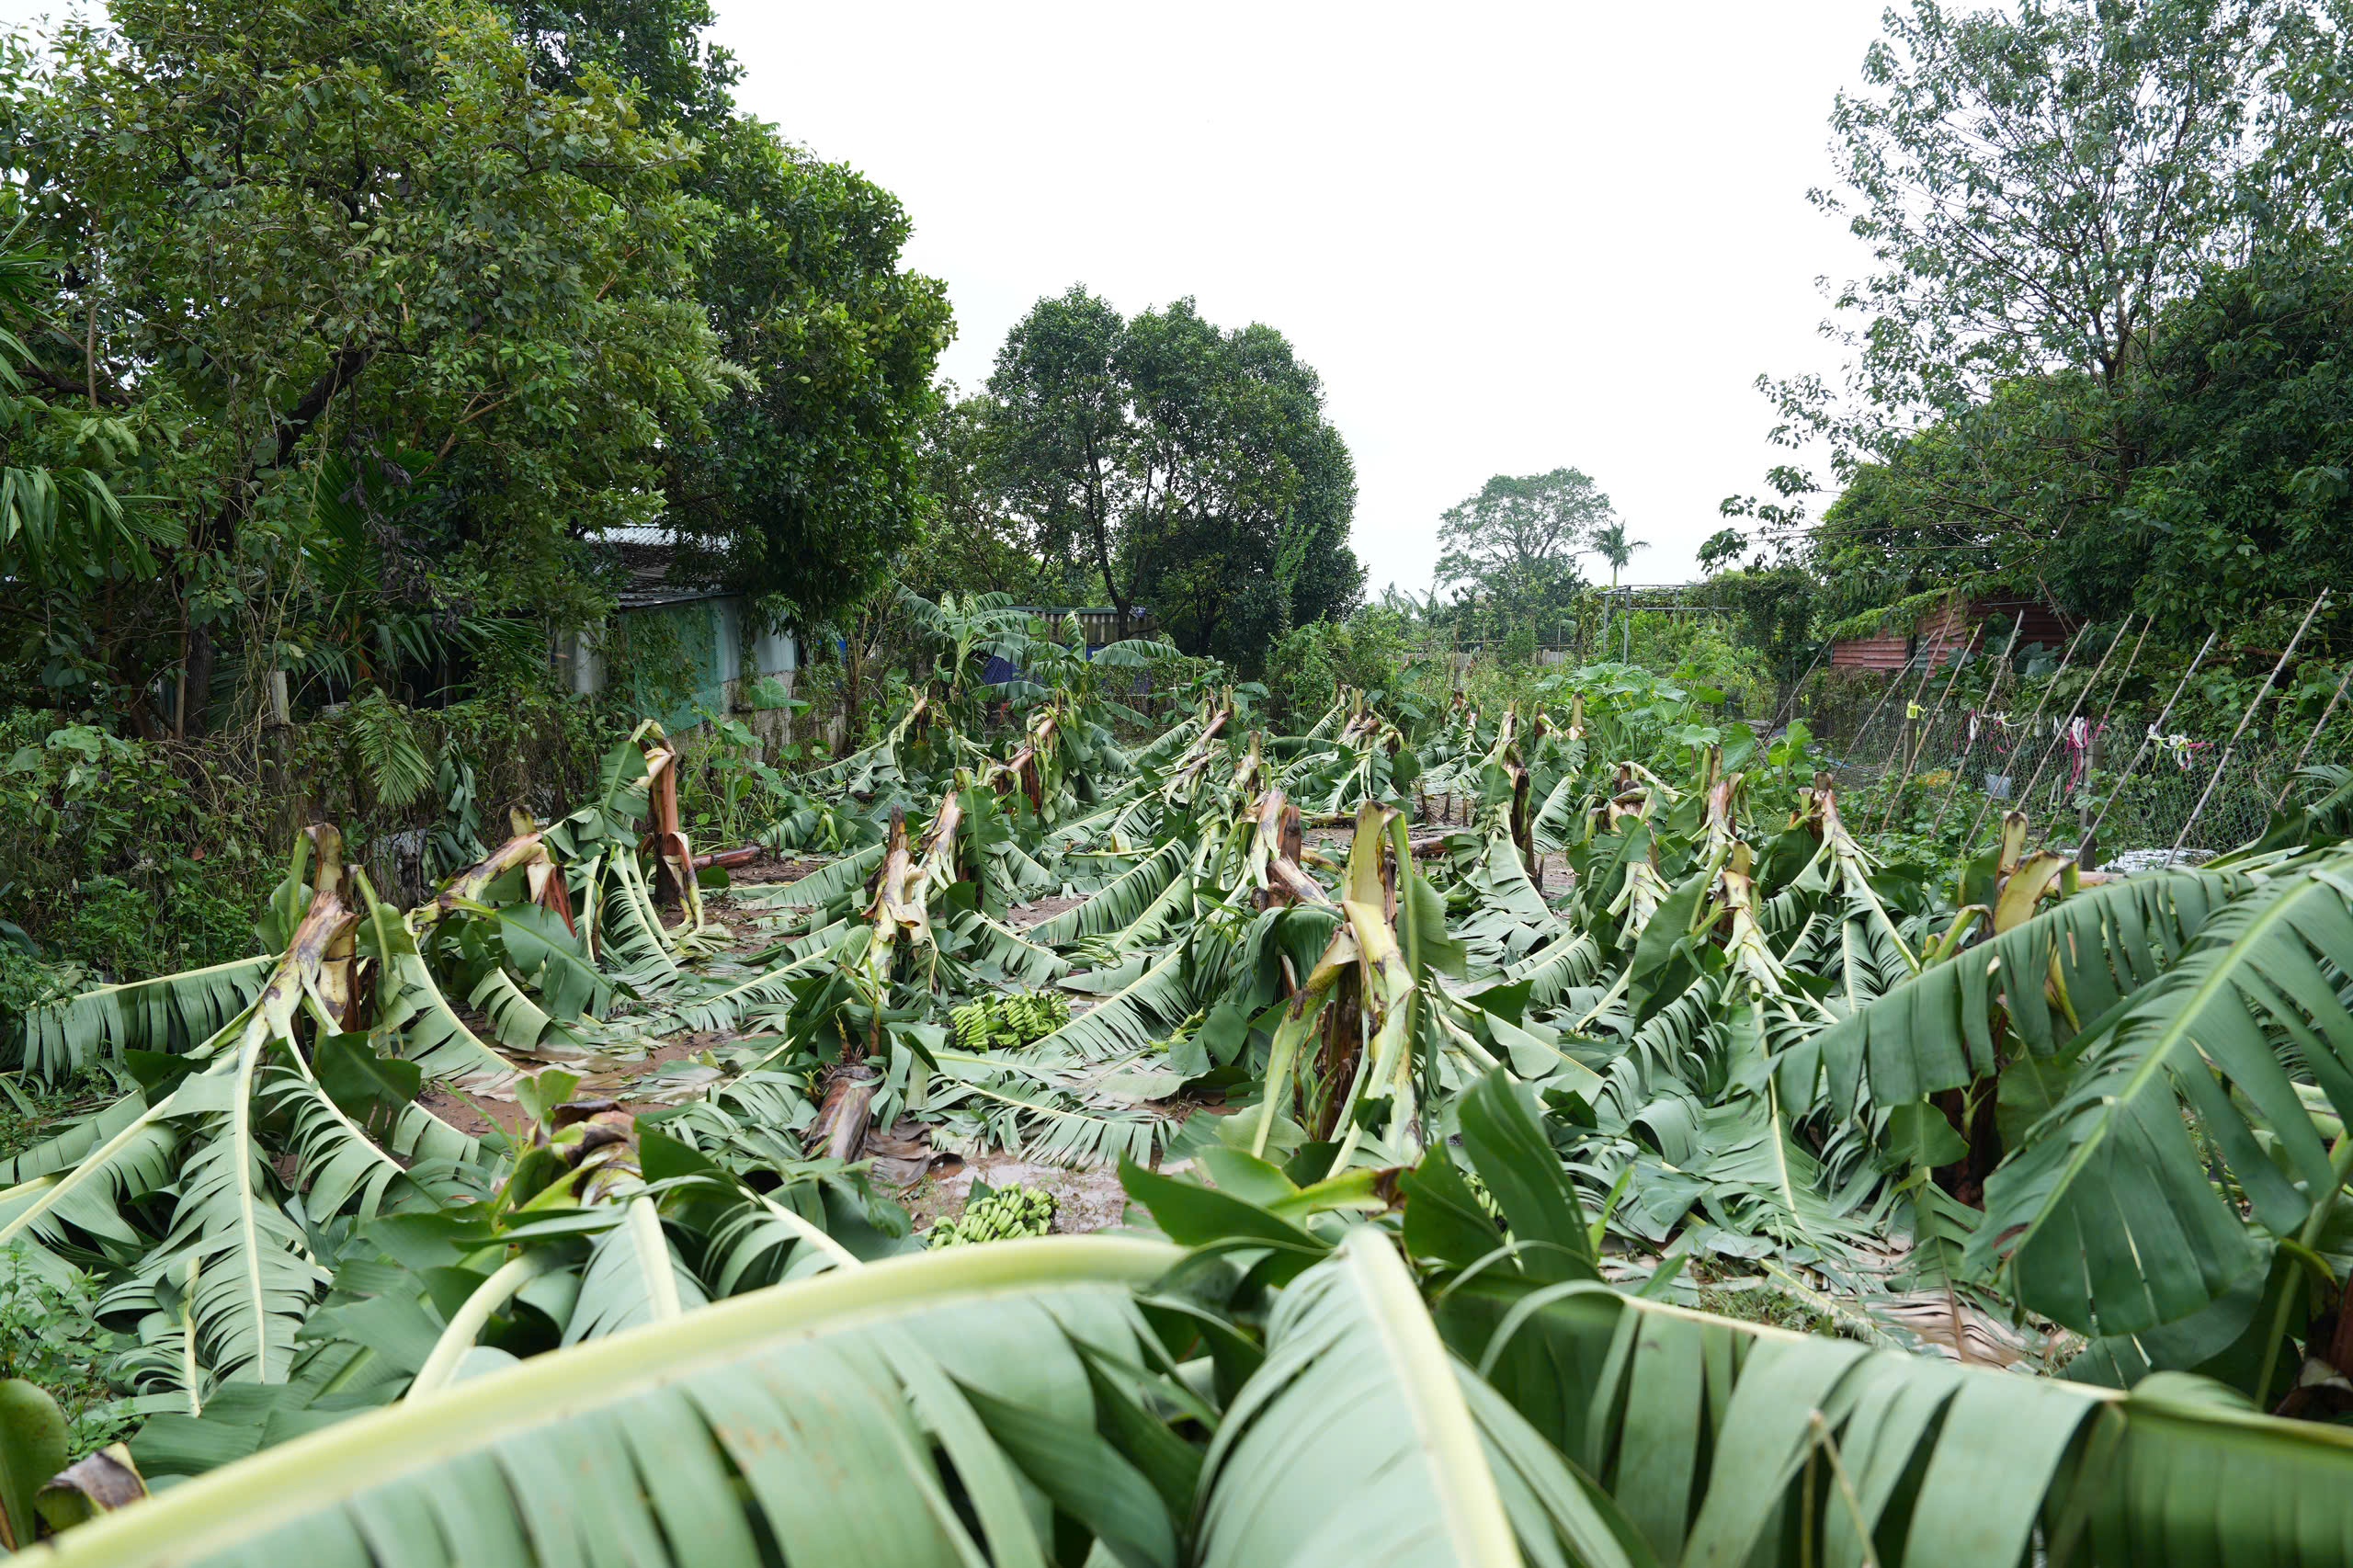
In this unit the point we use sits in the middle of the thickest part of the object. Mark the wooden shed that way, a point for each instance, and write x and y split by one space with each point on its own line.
1891 652
1944 632
1939 635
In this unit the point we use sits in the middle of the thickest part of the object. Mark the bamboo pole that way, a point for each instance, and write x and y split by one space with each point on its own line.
2085 850
2060 739
2031 724
1960 769
1920 741
2290 782
1872 718
2130 666
2245 719
2167 713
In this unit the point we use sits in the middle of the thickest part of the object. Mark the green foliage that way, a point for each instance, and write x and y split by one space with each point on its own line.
804 487
375 455
396 767
511 332
2098 355
49 1337
65 537
996 1214
118 858
1371 651
2241 421
1971 157
1515 544
1189 471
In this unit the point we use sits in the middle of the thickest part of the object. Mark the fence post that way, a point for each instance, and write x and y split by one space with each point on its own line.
1969 748
2290 782
2065 660
2167 713
2245 719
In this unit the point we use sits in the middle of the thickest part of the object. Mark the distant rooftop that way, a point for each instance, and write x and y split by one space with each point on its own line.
647 550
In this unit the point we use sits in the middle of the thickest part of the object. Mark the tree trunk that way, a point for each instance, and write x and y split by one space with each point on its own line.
850 664
198 677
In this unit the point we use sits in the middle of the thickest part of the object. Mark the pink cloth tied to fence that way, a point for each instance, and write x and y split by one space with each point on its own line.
2079 735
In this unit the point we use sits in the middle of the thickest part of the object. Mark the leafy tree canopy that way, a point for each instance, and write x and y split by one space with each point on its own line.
655 45
2094 357
802 488
304 229
1517 541
379 309
1191 469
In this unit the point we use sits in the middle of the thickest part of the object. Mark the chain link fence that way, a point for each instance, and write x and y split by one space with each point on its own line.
1960 763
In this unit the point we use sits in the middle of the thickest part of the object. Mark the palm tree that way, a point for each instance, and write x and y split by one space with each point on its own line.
1612 545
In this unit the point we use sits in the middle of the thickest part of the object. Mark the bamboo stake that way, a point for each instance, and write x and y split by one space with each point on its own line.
1961 769
1927 668
1920 741
2060 739
2085 850
2167 713
2032 726
1872 718
2130 666
2335 698
2245 719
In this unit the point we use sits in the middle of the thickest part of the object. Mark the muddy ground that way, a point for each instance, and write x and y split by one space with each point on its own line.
1085 1200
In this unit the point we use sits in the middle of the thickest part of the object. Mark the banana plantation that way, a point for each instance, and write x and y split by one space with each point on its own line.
1475 1080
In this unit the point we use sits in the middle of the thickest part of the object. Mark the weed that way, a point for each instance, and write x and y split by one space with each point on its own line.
50 1336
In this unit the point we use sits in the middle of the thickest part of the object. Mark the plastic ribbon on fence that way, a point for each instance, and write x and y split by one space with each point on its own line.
2079 735
1997 723
2178 747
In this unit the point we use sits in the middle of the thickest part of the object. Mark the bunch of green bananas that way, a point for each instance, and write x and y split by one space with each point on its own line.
1486 1199
999 1215
1009 1018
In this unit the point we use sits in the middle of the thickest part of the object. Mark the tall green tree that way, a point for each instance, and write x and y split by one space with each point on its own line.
358 231
2036 184
1062 434
1190 468
1515 543
2052 195
971 540
803 488
1613 546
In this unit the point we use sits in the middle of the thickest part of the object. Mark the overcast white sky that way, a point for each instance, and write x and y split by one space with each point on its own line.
1510 236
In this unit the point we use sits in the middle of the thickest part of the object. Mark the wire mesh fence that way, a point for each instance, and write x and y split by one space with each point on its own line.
1959 763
